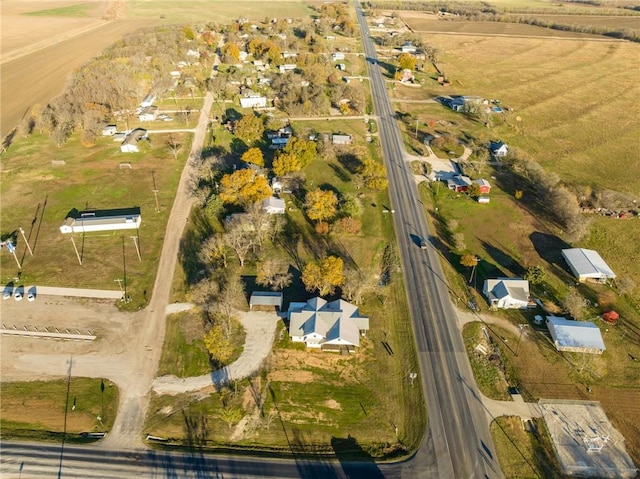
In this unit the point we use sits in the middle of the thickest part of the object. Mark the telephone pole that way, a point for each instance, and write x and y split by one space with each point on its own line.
25 240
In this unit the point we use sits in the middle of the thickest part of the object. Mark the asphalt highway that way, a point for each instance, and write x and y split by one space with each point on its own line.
458 439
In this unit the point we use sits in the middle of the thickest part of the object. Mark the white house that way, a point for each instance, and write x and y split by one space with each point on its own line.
148 113
102 220
408 47
274 206
507 293
498 149
253 101
289 55
333 326
575 336
130 143
338 139
587 265
148 100
337 56
109 130
287 67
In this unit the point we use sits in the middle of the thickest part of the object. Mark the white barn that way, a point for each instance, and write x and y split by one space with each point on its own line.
587 265
102 220
507 293
253 101
575 336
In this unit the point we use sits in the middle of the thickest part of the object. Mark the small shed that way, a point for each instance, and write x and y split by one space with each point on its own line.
575 336
109 130
498 149
266 300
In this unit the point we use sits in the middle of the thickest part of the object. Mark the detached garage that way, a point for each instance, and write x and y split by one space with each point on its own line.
587 265
575 336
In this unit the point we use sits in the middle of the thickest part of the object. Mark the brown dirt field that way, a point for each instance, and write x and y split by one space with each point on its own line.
35 78
291 375
40 412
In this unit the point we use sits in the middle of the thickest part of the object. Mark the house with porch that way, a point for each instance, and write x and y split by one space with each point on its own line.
329 326
507 293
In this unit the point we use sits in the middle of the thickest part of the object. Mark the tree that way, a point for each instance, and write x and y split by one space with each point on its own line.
304 150
214 250
469 261
218 345
357 284
230 53
269 274
535 274
253 156
239 240
473 190
407 60
249 128
350 206
174 147
458 242
321 205
575 304
373 175
244 187
286 163
324 275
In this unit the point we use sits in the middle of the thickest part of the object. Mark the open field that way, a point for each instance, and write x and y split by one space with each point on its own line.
612 21
218 11
37 409
90 178
431 25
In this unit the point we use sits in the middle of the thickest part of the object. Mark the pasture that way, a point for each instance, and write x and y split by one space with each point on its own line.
40 194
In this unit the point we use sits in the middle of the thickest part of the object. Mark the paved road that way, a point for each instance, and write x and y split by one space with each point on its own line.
458 443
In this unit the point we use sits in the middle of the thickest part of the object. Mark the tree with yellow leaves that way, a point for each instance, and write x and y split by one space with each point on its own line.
244 187
407 60
321 205
230 53
253 156
218 345
324 275
286 163
373 175
249 128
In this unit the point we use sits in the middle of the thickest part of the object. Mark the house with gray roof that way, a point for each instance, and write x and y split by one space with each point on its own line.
507 293
330 326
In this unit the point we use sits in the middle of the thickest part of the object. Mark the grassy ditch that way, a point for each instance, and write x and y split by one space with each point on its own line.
524 454
40 410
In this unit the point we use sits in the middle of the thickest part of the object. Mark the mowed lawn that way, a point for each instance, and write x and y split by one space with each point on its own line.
37 196
575 107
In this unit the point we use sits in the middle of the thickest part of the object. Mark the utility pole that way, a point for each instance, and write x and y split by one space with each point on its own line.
12 249
25 240
124 270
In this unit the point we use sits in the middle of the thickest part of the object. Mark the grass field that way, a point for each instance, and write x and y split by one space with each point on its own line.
91 178
77 10
36 410
523 454
218 11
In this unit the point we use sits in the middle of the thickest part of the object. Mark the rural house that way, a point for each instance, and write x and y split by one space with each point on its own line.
253 100
148 113
575 336
339 139
148 100
507 293
498 149
109 130
461 183
102 220
337 56
130 143
408 47
273 206
587 265
334 326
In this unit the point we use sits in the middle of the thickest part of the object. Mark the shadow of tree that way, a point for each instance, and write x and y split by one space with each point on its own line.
349 161
197 231
355 461
506 261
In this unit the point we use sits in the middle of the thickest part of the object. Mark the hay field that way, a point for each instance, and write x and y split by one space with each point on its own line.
429 23
577 101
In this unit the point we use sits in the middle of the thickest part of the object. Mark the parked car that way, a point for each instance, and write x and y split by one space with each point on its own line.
6 294
18 294
31 296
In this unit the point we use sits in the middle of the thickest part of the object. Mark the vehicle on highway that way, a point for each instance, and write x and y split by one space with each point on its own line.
423 243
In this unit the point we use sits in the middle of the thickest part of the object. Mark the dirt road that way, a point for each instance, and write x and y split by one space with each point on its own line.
35 78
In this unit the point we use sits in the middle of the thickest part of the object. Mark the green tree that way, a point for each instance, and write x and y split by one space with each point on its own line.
324 275
473 190
253 156
305 150
218 344
407 60
286 163
535 274
321 205
249 128
244 187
